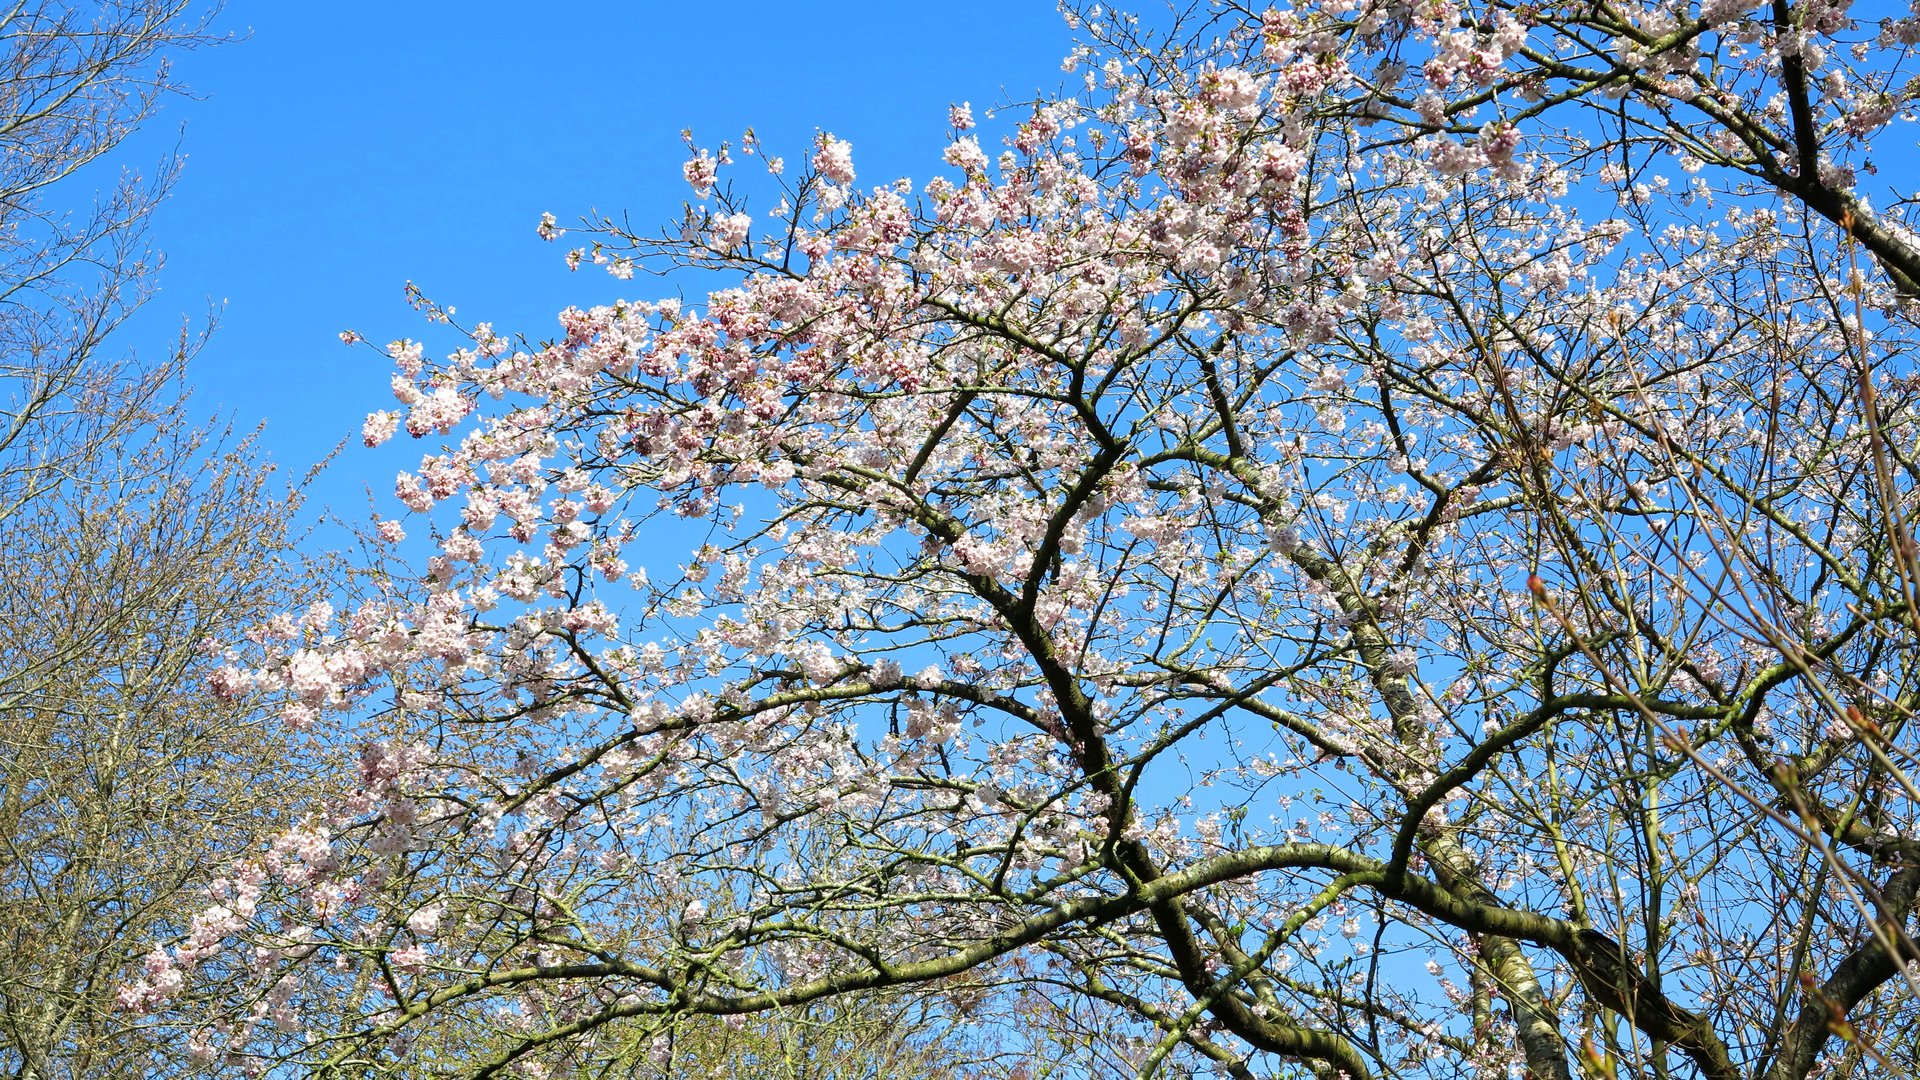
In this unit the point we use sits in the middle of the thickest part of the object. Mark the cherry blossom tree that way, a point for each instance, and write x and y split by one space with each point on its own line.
1364 539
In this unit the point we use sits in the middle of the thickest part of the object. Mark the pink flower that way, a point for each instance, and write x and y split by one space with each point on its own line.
460 546
1229 89
307 675
426 921
132 997
438 411
834 159
408 356
966 155
701 170
730 230
379 427
406 488
227 682
412 959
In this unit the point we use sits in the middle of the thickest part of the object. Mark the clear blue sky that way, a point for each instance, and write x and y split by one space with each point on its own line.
342 149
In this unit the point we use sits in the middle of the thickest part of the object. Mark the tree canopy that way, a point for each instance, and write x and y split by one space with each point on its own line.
1368 539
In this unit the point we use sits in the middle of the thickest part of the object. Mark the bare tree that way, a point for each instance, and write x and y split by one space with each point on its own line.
75 81
124 788
130 538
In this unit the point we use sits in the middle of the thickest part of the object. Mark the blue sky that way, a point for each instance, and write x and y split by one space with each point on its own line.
343 149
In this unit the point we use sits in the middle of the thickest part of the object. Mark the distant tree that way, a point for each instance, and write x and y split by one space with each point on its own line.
129 540
1366 539
125 789
75 80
